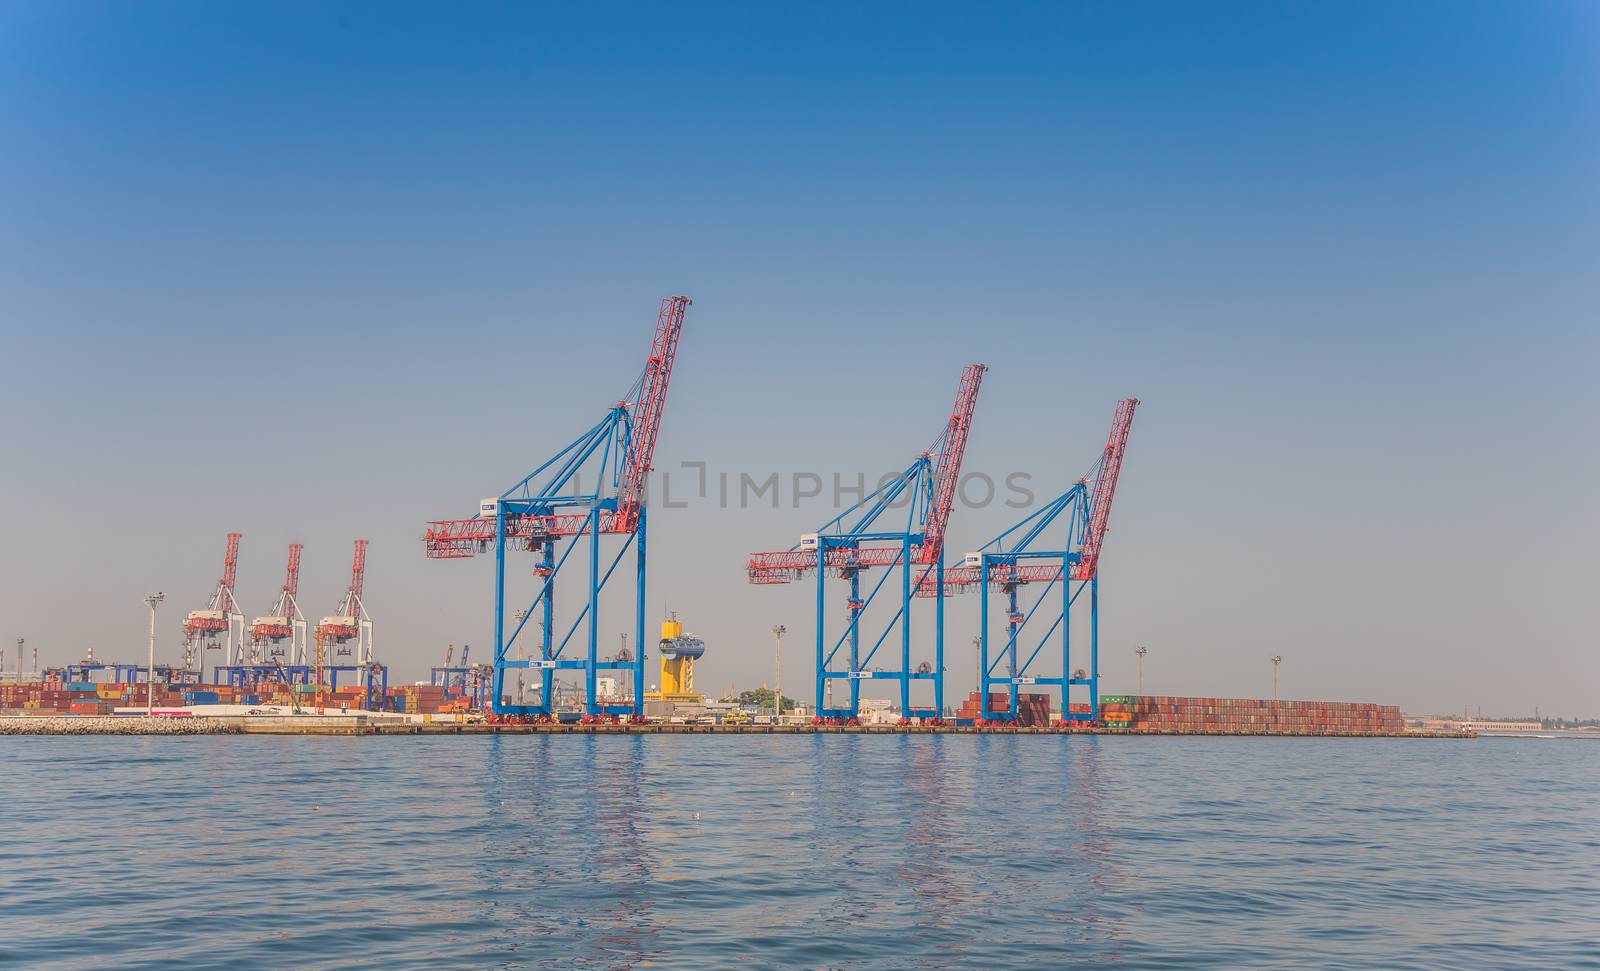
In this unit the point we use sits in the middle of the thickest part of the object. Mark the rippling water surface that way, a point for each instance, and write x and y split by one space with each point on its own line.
805 852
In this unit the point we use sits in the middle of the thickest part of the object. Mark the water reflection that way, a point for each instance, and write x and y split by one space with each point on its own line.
819 851
565 864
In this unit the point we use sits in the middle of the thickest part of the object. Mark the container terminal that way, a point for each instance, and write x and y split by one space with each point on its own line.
877 573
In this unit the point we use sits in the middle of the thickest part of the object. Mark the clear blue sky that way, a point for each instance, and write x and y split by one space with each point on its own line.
317 271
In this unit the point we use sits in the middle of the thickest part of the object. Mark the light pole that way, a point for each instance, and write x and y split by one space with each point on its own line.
1277 659
150 674
627 677
1141 652
519 616
778 630
977 665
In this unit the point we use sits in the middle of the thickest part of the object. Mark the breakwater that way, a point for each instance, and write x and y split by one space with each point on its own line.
81 725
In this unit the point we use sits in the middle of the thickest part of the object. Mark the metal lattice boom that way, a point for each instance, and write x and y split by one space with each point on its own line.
647 410
1105 489
947 474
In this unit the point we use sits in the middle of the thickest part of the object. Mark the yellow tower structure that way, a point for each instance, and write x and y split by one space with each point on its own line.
678 654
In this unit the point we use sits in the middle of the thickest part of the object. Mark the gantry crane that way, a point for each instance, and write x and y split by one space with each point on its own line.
451 675
220 617
351 622
1016 558
548 506
466 679
853 542
285 621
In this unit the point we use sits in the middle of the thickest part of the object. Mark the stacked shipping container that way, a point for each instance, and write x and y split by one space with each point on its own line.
415 699
1165 713
54 697
1033 710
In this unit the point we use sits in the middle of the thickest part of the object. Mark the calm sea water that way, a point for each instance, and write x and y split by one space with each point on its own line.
802 852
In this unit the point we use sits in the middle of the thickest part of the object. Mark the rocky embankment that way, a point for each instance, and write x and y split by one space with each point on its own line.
89 725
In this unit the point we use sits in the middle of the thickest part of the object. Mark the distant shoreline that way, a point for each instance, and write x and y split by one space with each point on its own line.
314 725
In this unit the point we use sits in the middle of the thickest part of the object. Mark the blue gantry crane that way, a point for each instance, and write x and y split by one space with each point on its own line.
550 507
862 538
1019 557
464 679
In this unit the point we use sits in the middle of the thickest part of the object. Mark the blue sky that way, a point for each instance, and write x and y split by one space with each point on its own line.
313 271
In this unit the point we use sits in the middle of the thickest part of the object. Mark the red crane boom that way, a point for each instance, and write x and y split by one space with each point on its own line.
948 472
783 566
347 623
449 539
213 619
291 576
358 576
230 572
453 539
283 608
961 578
1105 489
647 410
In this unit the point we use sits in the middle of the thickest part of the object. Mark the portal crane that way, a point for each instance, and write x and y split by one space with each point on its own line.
284 621
465 678
351 622
853 543
220 617
1014 559
548 508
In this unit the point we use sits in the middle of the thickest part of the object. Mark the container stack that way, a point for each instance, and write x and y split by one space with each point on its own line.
348 696
417 699
1033 710
1247 716
75 698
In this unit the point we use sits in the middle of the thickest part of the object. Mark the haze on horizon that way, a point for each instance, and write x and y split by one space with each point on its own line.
316 272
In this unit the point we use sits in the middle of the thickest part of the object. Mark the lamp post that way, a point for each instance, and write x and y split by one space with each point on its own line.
627 678
519 616
150 674
1277 659
1141 652
977 665
778 630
